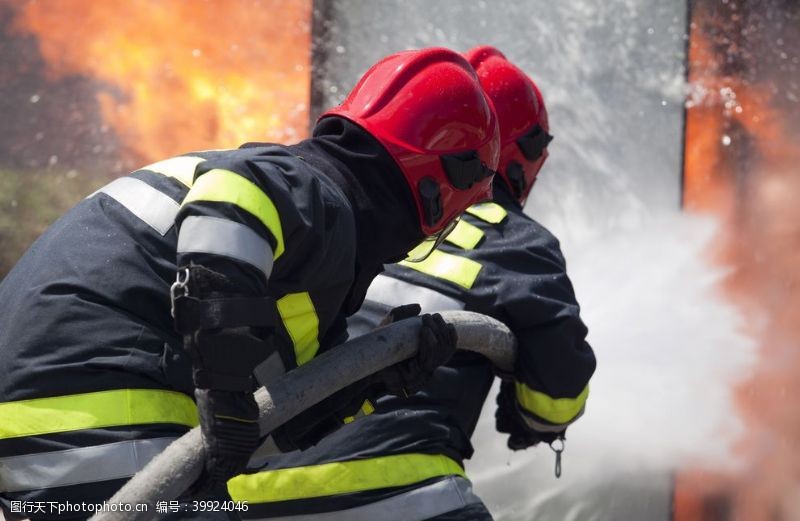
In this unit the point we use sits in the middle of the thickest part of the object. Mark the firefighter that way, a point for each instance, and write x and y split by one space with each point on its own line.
272 246
405 460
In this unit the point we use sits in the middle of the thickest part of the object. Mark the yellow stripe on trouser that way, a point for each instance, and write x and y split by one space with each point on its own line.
95 410
554 410
302 323
343 477
490 212
465 235
452 268
225 186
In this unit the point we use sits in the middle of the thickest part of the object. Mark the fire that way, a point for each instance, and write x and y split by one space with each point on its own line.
741 164
175 76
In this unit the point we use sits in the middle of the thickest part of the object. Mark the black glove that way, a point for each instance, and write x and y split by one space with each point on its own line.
437 343
400 313
508 420
230 432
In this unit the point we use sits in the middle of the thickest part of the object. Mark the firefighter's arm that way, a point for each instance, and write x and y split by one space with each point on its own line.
230 233
550 384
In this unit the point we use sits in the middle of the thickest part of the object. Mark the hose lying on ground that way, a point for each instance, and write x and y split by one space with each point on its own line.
170 473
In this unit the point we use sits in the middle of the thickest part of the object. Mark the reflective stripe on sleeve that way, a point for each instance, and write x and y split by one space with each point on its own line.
343 477
395 292
490 212
449 267
301 322
546 427
199 234
180 168
155 208
225 186
465 235
554 410
80 465
95 410
420 504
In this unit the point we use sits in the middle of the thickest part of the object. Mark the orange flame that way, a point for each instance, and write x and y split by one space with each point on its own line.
741 163
178 75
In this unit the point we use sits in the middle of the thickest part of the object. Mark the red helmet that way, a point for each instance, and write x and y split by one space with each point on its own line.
522 115
427 108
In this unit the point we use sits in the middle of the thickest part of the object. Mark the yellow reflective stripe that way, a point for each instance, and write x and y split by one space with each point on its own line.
465 235
452 268
345 477
95 410
301 321
181 168
229 187
366 409
554 410
490 212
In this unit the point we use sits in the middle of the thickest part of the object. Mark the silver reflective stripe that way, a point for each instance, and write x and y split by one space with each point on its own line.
153 207
81 465
545 427
395 292
224 237
422 503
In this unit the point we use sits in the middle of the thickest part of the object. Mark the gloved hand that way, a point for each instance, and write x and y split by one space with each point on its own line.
508 420
230 433
400 313
437 343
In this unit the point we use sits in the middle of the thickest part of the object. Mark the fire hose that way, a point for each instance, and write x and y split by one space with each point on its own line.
173 471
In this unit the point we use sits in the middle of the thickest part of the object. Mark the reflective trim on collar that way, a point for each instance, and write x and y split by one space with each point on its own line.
224 186
181 168
343 477
80 465
490 212
465 235
554 410
449 267
441 497
75 412
155 208
395 292
223 237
